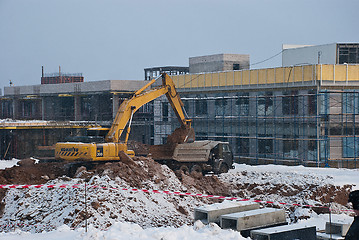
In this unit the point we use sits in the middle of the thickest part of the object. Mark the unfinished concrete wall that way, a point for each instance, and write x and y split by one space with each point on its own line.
218 62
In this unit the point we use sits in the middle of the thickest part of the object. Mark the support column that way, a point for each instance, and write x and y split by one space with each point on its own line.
115 105
43 108
77 107
15 104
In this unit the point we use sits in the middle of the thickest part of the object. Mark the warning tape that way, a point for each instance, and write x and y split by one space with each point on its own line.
12 225
51 186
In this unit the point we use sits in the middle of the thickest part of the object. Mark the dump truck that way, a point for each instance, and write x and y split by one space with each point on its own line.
115 145
200 156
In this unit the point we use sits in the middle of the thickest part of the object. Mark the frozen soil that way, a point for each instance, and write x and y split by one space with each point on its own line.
106 206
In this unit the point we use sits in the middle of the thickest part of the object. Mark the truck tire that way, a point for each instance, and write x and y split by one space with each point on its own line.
223 168
184 169
196 168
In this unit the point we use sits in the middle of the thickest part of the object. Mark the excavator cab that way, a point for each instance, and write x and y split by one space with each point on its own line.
92 135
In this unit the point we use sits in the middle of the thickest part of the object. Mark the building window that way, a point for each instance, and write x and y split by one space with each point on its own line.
350 147
290 103
290 146
243 145
201 106
265 144
350 102
348 54
243 104
312 103
236 66
220 105
165 112
265 104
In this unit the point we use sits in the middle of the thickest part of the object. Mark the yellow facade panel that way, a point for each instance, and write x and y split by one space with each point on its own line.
327 72
308 73
270 75
180 81
297 74
340 73
253 77
208 77
230 76
215 79
222 79
262 76
187 81
237 78
317 74
201 80
175 80
288 75
353 72
245 77
279 75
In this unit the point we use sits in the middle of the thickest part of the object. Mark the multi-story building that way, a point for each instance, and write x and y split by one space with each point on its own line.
334 53
299 115
306 114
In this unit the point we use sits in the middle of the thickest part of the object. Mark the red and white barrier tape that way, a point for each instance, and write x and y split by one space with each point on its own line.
157 191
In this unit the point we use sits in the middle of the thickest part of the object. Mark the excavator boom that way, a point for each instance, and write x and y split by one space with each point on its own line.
141 97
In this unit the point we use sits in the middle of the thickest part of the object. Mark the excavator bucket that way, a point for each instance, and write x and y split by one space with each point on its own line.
181 135
125 158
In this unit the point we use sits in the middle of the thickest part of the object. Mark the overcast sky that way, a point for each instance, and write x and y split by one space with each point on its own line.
117 39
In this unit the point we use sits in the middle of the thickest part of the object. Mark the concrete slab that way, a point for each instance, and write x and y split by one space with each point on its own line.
326 236
253 219
288 232
340 228
212 213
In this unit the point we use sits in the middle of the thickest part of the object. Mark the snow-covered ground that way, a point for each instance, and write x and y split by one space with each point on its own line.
117 207
125 231
298 175
8 163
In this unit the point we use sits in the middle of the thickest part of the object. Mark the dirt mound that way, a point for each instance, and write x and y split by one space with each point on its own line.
136 174
147 170
30 173
105 206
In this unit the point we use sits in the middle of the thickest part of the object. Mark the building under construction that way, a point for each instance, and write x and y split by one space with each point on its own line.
303 114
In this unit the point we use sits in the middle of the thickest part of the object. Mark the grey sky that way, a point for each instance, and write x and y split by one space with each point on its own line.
111 39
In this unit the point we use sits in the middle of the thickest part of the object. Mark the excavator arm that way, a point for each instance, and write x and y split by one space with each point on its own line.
129 107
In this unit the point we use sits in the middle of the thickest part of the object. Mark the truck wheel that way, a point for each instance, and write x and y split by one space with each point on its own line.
224 168
184 169
196 168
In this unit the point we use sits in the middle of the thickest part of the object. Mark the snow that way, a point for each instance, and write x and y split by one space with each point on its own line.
125 231
300 175
8 163
132 215
223 205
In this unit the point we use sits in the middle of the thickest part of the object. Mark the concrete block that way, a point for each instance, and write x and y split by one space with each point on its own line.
253 219
288 232
340 228
212 213
326 236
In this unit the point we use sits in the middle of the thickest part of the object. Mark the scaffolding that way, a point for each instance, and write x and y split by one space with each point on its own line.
292 128
294 115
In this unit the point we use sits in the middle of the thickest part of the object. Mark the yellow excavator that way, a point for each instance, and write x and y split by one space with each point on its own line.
114 149
180 152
